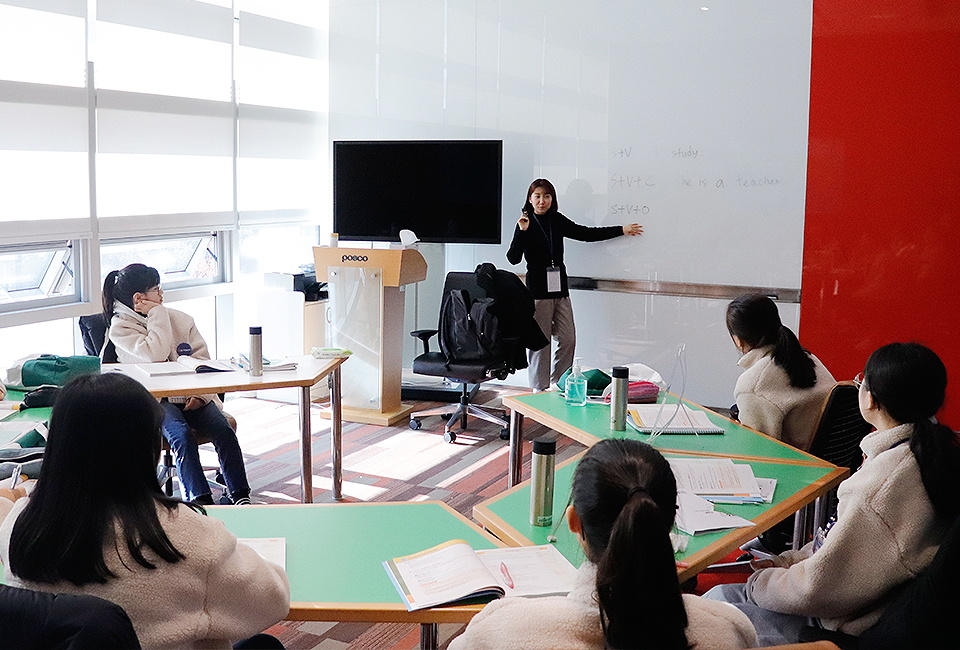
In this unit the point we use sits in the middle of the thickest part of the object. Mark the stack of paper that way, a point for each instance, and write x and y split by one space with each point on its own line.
268 364
716 479
696 515
669 418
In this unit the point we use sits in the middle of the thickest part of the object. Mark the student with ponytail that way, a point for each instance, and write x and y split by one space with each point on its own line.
892 514
144 330
783 386
627 595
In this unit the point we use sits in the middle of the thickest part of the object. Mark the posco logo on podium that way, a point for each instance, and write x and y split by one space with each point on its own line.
353 258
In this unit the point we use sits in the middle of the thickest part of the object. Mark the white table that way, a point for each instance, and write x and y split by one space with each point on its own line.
308 372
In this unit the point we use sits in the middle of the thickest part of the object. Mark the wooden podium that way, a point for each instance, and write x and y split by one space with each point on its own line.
366 316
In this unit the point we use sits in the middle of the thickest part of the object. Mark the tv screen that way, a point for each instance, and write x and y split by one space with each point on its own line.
446 191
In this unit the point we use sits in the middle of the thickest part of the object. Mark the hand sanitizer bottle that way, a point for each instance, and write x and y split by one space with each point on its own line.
575 387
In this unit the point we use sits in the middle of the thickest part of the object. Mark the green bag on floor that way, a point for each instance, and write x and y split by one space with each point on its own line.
50 369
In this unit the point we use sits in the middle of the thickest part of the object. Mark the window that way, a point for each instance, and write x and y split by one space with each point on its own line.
40 273
186 117
183 261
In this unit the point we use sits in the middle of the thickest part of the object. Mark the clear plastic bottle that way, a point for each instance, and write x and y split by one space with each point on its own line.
575 388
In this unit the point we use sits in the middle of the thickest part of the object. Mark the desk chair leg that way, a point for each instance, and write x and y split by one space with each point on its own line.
515 459
168 464
336 434
306 448
429 636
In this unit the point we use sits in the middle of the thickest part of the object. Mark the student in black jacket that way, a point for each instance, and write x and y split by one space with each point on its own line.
538 237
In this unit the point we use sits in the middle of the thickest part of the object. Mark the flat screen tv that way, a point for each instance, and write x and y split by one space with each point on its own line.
446 191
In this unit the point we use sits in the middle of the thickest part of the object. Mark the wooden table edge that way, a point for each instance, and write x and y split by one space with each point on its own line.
380 613
700 560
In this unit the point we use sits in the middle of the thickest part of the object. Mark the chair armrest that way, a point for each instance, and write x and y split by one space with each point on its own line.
424 335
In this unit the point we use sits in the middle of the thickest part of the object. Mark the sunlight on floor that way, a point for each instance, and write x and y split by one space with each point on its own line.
404 455
350 489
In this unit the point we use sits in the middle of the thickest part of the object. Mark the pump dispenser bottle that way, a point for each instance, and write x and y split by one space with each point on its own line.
575 388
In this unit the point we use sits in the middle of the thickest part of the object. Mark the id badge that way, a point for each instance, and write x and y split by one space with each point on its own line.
553 279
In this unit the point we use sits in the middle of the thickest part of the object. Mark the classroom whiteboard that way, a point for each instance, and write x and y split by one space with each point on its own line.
707 140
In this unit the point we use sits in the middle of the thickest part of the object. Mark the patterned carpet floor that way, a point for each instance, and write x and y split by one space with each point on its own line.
379 464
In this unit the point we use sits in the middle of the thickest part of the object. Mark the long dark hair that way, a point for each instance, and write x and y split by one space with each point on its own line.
909 380
754 319
121 285
551 190
626 498
99 471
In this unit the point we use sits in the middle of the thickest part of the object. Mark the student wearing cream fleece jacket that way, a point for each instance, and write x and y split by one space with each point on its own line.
892 515
98 523
572 622
144 331
626 594
783 386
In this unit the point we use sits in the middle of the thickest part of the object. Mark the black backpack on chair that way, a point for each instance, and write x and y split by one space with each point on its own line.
468 329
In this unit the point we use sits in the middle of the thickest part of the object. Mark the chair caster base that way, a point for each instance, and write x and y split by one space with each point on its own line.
449 436
505 433
415 424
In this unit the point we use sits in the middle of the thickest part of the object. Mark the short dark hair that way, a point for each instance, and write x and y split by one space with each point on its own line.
99 471
625 496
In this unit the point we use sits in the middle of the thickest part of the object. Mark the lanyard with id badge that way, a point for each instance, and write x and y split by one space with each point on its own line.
553 271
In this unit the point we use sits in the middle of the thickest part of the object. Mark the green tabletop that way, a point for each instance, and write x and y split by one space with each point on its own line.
334 553
591 423
29 415
508 514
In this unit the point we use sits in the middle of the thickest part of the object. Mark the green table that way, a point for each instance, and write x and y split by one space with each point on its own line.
12 439
334 551
507 515
591 423
334 554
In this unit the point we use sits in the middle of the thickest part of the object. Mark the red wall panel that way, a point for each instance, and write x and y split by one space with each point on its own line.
881 259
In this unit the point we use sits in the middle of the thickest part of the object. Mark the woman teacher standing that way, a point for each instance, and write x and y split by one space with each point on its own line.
539 238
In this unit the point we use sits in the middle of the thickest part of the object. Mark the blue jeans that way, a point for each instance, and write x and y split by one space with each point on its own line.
208 420
773 628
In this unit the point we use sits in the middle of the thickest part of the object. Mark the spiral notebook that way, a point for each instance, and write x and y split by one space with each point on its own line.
669 419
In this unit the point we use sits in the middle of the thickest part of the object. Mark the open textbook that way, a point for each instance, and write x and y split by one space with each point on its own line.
184 365
453 571
669 418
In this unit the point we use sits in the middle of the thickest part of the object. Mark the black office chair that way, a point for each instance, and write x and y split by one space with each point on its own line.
920 617
33 619
436 364
93 331
839 430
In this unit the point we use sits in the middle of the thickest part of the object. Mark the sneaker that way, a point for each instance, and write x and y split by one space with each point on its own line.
242 501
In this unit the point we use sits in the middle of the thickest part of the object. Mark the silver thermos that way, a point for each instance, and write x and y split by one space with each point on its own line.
541 483
618 398
256 352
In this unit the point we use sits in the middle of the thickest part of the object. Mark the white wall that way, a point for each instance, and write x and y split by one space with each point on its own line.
588 94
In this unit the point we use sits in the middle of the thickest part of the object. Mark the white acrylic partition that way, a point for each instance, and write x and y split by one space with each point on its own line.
356 322
618 328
